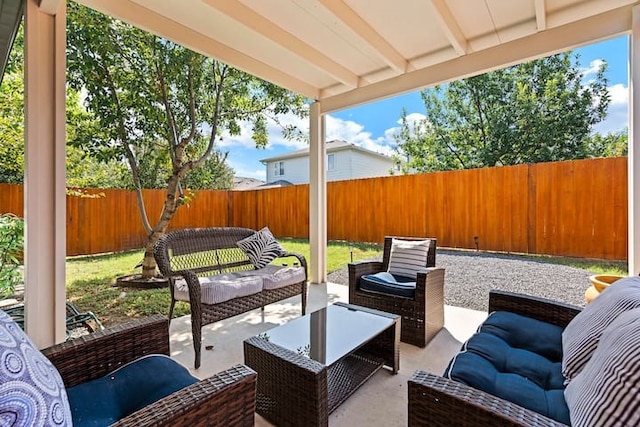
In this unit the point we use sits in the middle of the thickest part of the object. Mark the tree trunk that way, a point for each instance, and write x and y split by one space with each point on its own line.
169 209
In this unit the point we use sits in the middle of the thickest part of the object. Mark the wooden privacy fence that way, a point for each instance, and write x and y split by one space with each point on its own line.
574 208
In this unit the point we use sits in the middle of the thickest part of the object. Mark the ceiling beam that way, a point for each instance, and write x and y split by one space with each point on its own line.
162 26
541 15
610 24
450 26
49 6
351 19
258 23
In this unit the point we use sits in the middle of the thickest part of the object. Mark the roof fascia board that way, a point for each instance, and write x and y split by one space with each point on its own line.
156 23
590 30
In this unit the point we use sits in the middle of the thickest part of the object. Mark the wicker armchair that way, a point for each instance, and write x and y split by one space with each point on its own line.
434 400
422 315
226 398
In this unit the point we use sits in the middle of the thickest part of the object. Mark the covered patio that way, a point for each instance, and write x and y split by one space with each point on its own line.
337 53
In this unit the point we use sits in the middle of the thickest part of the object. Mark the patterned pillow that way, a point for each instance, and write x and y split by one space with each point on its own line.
261 247
31 390
408 257
582 335
606 392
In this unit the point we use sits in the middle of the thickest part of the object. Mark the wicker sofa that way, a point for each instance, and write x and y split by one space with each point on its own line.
536 362
193 259
226 398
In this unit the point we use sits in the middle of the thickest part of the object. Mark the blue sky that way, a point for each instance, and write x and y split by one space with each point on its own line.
372 125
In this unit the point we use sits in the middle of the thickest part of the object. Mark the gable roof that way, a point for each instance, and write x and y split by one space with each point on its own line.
331 147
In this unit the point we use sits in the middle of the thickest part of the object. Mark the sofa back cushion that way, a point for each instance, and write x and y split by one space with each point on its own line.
582 335
31 390
607 391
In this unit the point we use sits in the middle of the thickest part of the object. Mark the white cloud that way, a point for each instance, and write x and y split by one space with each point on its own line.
593 68
274 131
618 112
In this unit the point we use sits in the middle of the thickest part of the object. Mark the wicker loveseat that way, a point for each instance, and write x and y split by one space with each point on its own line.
89 367
206 268
536 362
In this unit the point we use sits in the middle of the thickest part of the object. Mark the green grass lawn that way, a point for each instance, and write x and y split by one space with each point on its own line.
91 279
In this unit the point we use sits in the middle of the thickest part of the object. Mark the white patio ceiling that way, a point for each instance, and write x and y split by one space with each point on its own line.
347 52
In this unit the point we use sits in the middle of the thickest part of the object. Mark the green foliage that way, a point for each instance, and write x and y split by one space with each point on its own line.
11 249
160 108
609 145
539 111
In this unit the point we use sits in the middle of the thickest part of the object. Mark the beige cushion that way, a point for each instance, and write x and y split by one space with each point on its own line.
274 276
221 287
408 257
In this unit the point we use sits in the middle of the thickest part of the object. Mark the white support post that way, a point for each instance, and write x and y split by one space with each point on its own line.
634 146
45 195
317 197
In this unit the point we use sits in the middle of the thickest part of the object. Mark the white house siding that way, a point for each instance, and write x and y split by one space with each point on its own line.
349 164
365 166
296 171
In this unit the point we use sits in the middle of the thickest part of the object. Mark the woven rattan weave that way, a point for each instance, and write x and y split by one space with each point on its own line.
423 315
437 401
226 398
193 253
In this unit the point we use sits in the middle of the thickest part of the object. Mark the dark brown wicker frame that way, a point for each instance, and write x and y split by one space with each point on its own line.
294 390
423 315
434 400
226 398
197 252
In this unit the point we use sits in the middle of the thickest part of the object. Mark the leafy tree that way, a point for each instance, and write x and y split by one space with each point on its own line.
539 111
609 145
158 103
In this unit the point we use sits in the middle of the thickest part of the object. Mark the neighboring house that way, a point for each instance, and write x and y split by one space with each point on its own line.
344 161
242 183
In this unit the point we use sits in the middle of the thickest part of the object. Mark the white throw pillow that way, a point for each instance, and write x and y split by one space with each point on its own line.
582 335
607 391
408 257
261 247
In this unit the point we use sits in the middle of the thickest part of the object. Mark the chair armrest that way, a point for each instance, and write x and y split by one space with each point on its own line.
95 355
546 310
301 259
434 400
357 269
227 398
430 284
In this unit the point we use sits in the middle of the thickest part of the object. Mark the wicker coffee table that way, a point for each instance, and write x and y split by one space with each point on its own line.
309 366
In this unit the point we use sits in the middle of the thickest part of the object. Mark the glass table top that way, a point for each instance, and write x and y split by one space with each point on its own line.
328 334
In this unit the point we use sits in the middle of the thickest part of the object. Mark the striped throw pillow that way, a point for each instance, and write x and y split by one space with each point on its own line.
408 257
582 335
261 247
607 391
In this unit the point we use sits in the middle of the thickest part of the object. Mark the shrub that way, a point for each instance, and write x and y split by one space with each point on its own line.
11 251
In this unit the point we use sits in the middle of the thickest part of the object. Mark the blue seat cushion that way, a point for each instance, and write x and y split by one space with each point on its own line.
518 359
388 283
131 387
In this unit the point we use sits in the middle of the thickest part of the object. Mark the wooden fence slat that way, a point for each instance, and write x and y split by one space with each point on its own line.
575 208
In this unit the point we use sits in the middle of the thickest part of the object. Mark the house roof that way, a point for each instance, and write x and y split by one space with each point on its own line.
349 52
331 147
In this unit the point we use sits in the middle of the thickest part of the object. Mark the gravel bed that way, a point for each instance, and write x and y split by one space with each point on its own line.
469 276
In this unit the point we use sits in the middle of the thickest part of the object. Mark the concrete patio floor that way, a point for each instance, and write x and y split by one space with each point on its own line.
382 401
